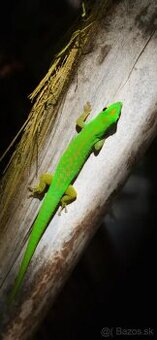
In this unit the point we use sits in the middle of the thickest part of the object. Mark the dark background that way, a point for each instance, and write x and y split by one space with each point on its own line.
114 284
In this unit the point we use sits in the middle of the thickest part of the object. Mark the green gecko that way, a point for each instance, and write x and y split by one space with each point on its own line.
61 191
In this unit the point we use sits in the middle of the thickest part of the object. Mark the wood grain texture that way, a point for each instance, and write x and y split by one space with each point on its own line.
121 66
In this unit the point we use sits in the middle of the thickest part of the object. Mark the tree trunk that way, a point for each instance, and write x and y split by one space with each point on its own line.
122 66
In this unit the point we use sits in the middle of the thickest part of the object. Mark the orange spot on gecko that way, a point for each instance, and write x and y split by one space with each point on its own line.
112 113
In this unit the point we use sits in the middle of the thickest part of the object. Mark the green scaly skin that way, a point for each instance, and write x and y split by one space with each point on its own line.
67 169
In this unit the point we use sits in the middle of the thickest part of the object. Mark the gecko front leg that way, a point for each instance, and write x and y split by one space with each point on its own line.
98 146
80 122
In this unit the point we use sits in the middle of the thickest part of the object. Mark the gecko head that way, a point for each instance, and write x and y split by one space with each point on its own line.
109 117
112 112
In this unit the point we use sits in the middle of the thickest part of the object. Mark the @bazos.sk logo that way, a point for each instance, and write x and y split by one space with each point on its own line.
107 332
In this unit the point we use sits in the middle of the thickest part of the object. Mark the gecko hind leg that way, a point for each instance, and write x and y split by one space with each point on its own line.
44 182
80 122
69 196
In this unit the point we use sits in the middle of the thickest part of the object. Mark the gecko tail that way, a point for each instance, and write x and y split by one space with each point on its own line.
30 249
38 229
